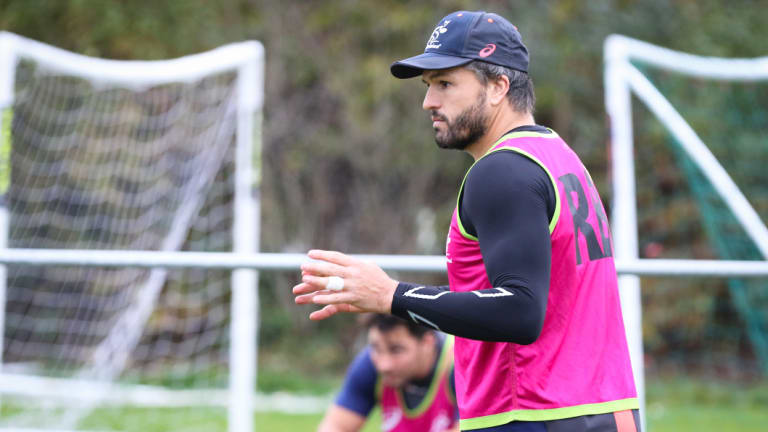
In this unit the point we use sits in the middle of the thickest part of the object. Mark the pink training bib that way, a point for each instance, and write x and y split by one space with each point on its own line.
580 363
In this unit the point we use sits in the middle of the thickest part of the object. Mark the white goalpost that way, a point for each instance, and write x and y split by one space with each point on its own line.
138 155
623 79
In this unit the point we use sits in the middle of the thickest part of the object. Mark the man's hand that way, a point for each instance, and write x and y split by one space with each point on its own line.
366 287
454 428
342 419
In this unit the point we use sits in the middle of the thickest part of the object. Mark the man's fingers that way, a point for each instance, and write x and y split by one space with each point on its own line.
327 299
326 312
319 268
321 282
331 310
323 298
304 299
305 288
331 257
324 267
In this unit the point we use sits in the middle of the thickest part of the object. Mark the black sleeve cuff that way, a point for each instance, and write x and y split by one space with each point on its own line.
399 301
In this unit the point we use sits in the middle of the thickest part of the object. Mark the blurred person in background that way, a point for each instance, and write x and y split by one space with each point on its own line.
533 295
408 370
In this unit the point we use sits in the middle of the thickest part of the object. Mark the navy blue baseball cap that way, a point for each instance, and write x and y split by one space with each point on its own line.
464 36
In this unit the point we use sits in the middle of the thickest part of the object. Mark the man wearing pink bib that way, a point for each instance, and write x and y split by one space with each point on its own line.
406 369
532 297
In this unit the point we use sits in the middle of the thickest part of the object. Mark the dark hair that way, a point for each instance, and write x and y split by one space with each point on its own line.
386 323
521 94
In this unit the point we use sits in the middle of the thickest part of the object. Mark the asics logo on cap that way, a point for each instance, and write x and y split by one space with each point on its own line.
433 42
488 50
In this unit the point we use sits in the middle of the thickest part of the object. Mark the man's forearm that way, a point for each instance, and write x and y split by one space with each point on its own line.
340 419
502 314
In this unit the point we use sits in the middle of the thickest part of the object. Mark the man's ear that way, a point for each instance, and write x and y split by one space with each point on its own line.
429 337
497 89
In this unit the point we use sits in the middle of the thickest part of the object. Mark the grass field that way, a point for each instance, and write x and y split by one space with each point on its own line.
745 413
685 405
208 420
674 405
284 422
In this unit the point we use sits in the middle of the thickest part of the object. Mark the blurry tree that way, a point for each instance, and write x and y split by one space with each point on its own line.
348 159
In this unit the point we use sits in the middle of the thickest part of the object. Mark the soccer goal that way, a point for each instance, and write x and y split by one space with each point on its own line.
132 156
689 153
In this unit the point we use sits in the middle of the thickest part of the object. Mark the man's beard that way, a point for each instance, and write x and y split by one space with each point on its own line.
468 127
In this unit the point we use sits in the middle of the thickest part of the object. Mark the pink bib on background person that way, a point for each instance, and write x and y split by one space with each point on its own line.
436 413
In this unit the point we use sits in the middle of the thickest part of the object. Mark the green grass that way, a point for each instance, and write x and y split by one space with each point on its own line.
706 406
674 405
305 423
688 417
202 419
287 422
176 419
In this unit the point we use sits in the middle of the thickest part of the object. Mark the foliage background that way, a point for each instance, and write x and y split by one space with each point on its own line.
348 160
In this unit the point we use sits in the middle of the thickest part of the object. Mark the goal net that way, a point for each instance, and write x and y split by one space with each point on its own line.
134 156
690 148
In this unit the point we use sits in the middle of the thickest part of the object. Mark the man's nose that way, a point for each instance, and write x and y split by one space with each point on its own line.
431 101
386 364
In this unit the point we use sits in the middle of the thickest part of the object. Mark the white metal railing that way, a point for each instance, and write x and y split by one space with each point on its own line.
288 262
292 261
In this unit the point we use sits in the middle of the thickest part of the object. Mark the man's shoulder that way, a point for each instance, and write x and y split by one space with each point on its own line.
362 361
501 178
358 393
504 168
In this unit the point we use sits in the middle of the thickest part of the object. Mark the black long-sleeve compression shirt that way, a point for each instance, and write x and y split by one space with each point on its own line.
507 203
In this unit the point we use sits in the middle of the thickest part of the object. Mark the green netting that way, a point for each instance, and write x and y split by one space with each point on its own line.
749 296
704 325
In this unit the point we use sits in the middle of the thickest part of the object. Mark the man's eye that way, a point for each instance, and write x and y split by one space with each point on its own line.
444 84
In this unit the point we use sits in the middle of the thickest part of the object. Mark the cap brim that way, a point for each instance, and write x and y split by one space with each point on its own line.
414 66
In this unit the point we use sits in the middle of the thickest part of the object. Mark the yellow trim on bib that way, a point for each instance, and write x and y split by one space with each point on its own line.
552 134
444 362
548 414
